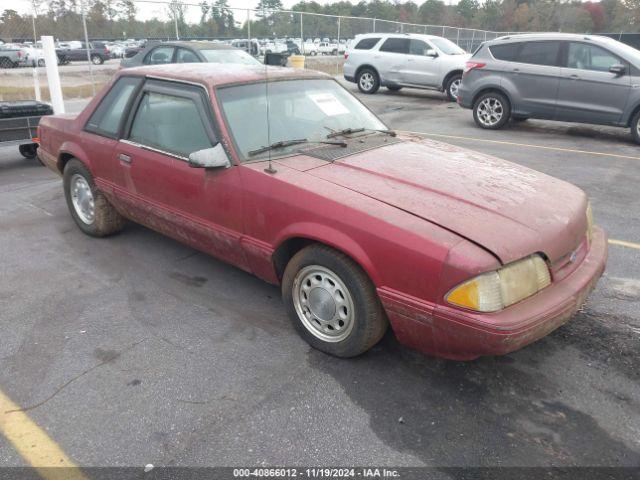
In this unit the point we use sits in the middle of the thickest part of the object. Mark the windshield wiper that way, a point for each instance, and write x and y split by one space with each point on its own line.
288 143
347 131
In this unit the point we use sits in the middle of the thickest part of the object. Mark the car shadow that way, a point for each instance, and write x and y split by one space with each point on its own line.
491 411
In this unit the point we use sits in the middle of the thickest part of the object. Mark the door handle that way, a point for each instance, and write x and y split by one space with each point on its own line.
124 158
574 77
516 70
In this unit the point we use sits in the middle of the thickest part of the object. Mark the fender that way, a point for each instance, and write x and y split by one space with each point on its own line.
334 238
69 147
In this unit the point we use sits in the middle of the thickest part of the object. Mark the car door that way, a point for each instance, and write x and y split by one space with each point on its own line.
101 132
588 92
534 77
197 206
390 59
422 66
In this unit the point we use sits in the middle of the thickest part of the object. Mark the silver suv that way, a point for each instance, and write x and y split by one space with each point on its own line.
405 60
564 77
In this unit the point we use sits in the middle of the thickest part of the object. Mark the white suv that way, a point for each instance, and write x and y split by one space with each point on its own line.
405 60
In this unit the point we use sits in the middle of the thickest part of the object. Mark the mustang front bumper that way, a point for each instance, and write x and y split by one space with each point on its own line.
449 332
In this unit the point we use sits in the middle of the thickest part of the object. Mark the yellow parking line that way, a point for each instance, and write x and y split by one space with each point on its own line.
34 445
503 142
622 243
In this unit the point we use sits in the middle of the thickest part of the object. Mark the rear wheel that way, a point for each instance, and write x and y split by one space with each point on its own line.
332 303
41 62
97 60
89 208
368 81
635 127
491 111
452 86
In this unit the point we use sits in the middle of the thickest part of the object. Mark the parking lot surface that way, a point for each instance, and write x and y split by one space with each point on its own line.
136 349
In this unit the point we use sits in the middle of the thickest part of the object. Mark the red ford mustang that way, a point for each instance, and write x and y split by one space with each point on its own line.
294 180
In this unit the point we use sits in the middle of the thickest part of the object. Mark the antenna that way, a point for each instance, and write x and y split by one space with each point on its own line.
270 170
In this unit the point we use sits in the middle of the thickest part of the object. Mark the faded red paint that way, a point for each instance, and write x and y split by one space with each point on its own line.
419 216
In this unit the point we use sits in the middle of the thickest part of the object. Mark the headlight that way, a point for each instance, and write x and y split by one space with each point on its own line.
589 222
496 290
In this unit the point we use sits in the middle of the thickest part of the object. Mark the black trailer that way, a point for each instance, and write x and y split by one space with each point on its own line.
19 124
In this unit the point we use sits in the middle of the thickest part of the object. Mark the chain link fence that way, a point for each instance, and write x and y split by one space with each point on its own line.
92 37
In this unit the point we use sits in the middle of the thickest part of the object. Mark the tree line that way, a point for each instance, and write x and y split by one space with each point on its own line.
113 19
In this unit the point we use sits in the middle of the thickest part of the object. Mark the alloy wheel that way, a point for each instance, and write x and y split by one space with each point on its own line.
367 81
490 111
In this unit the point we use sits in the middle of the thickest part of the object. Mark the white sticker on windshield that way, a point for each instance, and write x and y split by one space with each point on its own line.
329 104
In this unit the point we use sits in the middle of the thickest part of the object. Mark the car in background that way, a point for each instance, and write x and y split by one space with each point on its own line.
327 48
116 49
11 56
405 60
189 52
252 47
98 52
564 77
462 253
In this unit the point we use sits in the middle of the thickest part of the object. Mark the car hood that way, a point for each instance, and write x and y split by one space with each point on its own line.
509 210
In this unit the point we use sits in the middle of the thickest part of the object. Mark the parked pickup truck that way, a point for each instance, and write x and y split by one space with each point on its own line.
98 53
10 56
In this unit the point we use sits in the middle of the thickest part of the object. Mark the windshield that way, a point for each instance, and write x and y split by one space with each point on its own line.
447 47
229 56
298 109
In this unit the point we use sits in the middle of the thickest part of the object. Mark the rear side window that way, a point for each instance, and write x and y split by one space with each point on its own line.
539 53
395 45
105 120
366 43
506 52
169 123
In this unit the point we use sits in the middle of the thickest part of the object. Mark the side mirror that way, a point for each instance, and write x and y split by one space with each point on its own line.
431 53
214 157
618 69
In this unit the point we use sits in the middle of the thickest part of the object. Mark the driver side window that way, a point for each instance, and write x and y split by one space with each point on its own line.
159 56
418 47
590 57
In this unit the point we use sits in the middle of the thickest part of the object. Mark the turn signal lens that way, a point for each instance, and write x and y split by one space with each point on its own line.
496 290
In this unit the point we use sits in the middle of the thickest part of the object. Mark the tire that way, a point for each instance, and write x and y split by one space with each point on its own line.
635 127
358 307
497 108
97 60
452 86
28 150
368 80
105 219
41 62
334 52
393 88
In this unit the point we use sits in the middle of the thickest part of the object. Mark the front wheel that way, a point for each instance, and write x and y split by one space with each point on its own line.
635 127
332 303
89 208
491 111
452 86
368 81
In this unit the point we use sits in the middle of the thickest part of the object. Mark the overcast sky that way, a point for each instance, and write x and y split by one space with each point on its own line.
24 6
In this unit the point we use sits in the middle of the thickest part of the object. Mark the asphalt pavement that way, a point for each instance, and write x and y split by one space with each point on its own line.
136 349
